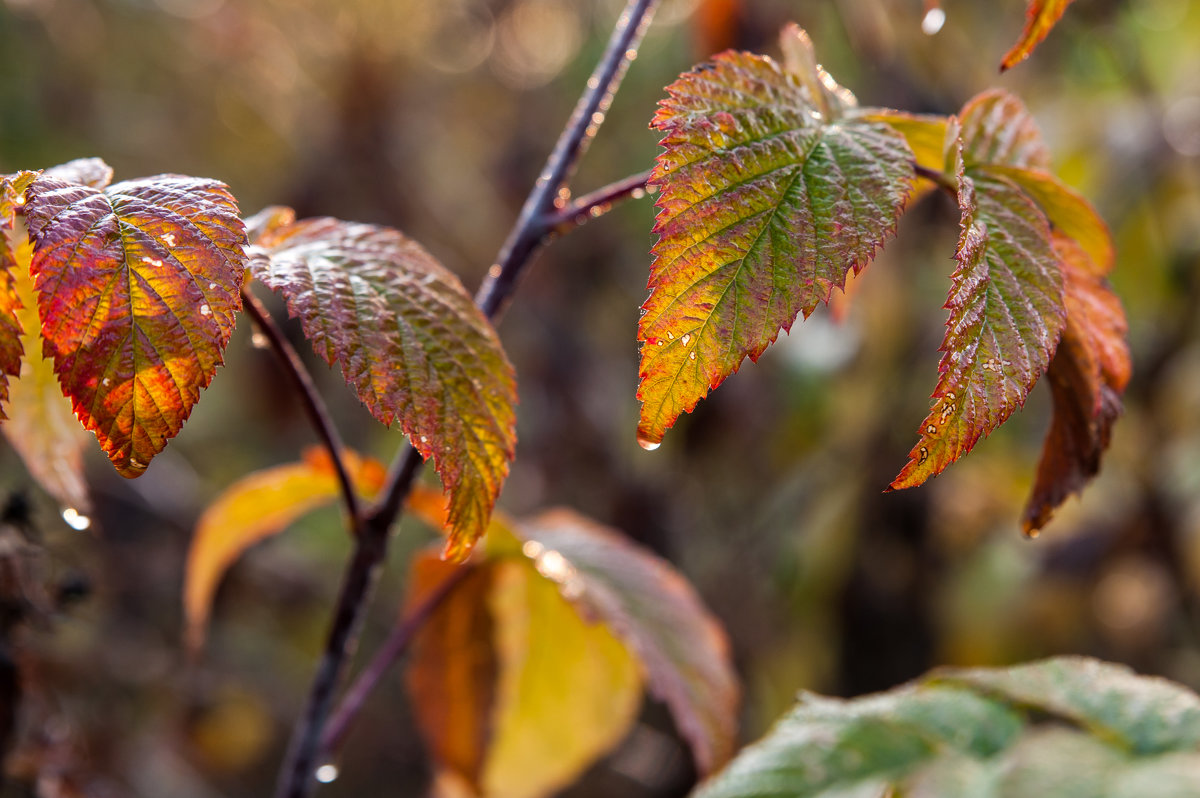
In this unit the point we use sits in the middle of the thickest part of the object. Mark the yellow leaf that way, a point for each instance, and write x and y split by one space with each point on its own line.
42 427
256 507
567 692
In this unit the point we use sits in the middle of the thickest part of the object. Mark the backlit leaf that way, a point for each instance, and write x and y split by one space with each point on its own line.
567 692
254 508
772 188
1040 17
656 612
1095 729
43 429
997 130
412 344
85 171
1087 377
452 667
925 134
1006 317
1067 210
12 189
137 287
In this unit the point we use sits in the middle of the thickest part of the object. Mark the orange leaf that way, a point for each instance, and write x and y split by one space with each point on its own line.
43 430
137 287
254 508
12 236
1087 378
452 670
1040 17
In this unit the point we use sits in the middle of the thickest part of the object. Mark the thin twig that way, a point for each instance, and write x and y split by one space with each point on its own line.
941 179
597 203
393 648
529 232
296 777
314 406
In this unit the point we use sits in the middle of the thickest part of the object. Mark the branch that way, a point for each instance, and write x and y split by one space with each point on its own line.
296 777
393 648
314 406
941 179
597 203
530 230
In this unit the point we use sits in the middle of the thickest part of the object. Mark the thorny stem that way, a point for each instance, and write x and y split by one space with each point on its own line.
597 203
296 777
314 406
393 648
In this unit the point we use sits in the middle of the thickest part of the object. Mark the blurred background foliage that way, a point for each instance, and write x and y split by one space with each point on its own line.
434 117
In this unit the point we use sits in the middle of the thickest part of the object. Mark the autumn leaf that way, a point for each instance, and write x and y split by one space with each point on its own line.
412 344
651 607
575 614
996 129
85 171
254 508
1087 378
773 187
1006 317
452 667
1040 17
137 288
43 429
1062 728
12 190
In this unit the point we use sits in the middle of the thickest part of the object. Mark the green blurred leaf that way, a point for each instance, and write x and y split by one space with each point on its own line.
1097 729
772 188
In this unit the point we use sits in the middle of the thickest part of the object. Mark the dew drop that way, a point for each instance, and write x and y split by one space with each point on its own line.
637 193
327 773
686 339
670 336
1032 533
212 286
532 549
169 239
205 310
106 382
934 19
260 341
75 519
646 443
424 439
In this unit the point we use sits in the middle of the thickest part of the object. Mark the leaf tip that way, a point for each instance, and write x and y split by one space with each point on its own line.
648 441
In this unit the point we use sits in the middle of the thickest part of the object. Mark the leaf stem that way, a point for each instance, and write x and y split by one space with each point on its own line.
314 406
393 648
296 778
942 180
597 203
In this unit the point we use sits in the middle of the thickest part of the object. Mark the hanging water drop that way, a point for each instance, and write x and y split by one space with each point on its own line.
646 443
260 341
934 19
327 773
75 519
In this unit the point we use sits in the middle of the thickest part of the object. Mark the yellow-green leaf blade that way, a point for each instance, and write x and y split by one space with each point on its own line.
412 344
1006 317
254 508
137 290
765 204
1069 212
12 236
567 692
651 607
1040 17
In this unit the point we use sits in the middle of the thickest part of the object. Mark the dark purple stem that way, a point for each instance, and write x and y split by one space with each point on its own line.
597 203
314 406
296 778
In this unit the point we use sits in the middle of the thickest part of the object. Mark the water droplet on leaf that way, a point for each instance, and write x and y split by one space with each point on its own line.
646 443
205 310
934 19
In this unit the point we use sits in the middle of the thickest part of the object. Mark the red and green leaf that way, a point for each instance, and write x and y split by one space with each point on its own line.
85 171
997 129
138 285
773 187
1006 317
412 344
1040 17
1087 378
